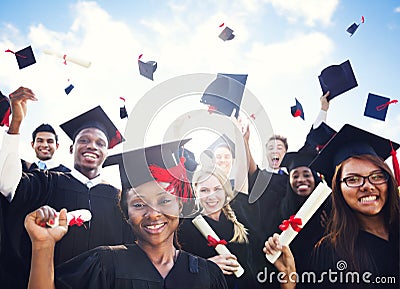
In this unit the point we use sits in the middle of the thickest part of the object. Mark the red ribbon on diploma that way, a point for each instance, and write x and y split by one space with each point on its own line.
76 221
295 223
212 242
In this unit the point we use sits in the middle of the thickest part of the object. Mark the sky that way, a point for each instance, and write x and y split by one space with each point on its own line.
282 45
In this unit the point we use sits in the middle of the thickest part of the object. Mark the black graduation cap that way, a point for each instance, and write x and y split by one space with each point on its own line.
224 141
68 89
293 160
122 112
225 93
337 79
377 106
226 34
297 110
5 110
134 164
147 69
352 28
317 138
97 118
350 141
25 57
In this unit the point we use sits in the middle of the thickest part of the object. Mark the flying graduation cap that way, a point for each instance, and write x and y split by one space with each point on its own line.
68 89
148 68
226 34
225 93
353 27
25 57
5 110
122 110
337 79
297 110
377 106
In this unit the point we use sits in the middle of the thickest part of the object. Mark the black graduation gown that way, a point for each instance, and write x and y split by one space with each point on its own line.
263 213
385 255
60 190
193 241
128 267
29 167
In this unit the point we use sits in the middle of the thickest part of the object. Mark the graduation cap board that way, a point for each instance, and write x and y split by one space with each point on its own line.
353 27
94 118
25 57
377 106
225 93
68 89
122 110
337 79
159 163
317 138
350 141
297 110
226 34
293 160
147 69
5 110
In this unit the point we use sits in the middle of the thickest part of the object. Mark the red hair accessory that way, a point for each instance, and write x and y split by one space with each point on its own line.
177 178
295 223
212 242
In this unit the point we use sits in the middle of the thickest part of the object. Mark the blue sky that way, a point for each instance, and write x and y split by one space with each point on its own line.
282 45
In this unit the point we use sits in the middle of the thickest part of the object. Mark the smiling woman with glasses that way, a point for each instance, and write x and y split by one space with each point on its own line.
363 232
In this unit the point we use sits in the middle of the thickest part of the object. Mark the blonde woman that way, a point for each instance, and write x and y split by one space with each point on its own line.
214 194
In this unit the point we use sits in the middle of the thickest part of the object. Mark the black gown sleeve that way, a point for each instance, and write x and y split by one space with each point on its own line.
93 269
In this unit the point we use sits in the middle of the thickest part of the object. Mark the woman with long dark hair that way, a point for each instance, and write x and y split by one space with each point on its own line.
362 244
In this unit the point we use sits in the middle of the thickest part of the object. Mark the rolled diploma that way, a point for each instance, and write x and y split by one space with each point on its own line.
206 230
84 214
310 206
80 62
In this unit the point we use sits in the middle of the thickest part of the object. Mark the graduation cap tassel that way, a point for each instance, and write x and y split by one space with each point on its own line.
395 162
383 106
6 118
177 178
19 55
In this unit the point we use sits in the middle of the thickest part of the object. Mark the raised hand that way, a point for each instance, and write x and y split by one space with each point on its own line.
35 224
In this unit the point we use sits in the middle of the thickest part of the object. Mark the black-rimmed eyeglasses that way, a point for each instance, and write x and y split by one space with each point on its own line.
356 181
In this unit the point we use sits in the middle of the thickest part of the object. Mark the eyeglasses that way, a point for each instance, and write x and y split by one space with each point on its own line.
356 181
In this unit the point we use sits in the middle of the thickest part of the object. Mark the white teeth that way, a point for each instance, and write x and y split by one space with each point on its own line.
302 187
89 155
368 199
155 227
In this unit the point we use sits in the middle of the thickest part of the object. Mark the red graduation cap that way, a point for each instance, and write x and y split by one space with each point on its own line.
297 110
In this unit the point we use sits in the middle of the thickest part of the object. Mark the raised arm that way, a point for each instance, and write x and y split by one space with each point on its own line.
10 163
43 242
321 117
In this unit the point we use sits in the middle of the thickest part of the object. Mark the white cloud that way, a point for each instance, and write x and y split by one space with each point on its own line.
397 9
312 11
